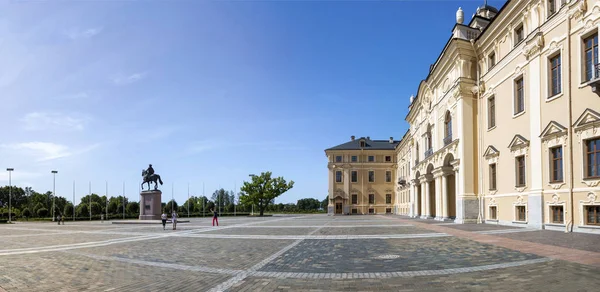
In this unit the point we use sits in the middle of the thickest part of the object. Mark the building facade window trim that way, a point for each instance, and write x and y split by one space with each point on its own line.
371 175
388 176
556 202
555 135
339 176
587 127
339 158
520 205
519 146
519 100
354 176
590 202
491 112
588 67
491 204
555 76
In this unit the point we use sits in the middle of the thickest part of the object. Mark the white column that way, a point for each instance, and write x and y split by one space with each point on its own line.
331 182
535 199
426 211
445 209
438 197
414 193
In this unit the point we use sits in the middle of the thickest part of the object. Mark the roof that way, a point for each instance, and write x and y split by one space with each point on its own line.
369 145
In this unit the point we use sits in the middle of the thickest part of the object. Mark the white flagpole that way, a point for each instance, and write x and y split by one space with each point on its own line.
73 200
90 200
188 200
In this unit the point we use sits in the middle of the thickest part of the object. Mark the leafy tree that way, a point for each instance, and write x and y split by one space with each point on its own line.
42 212
133 208
68 210
263 189
96 208
324 203
167 207
82 210
26 213
308 204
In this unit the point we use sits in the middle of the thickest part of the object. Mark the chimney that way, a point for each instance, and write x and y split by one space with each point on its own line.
368 138
352 138
391 140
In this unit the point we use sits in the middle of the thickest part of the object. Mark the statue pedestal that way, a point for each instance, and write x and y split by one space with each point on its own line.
150 205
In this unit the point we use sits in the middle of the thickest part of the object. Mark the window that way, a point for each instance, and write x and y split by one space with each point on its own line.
388 210
388 198
354 199
519 34
388 159
592 215
555 76
493 214
491 112
591 56
447 128
520 170
338 158
493 177
521 216
388 176
519 96
371 211
354 158
556 164
371 158
592 159
556 213
551 7
354 211
362 144
371 176
338 176
371 199
354 176
492 60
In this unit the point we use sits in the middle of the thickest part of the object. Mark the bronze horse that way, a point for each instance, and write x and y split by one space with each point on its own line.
151 178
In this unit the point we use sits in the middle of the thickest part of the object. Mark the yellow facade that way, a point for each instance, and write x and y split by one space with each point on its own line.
505 129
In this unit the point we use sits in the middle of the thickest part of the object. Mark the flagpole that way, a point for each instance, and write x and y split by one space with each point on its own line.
172 202
188 200
123 200
203 210
106 194
90 186
73 200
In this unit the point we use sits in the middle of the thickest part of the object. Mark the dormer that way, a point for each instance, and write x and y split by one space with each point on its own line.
362 143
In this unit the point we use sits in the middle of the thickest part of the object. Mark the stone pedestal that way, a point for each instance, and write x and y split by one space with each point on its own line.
150 205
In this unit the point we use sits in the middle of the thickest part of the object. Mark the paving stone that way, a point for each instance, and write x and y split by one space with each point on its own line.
580 241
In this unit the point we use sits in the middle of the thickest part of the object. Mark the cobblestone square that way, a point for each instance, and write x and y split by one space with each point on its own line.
294 253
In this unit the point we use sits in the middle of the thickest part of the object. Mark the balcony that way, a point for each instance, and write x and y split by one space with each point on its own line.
428 152
402 181
595 81
447 140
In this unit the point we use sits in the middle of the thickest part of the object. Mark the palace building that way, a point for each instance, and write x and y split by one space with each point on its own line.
504 129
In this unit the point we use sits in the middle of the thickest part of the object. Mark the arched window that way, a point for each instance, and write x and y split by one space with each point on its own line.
448 128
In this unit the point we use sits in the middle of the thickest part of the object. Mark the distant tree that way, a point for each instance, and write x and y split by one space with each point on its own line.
42 212
263 189
308 204
82 210
26 213
324 203
167 207
68 210
133 208
96 208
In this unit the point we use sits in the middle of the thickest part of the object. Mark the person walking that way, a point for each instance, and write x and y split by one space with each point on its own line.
215 217
174 220
58 219
163 217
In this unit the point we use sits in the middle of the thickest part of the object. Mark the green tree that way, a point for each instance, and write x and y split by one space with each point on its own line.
42 212
324 203
170 203
68 210
308 204
133 208
82 210
263 189
26 213
96 208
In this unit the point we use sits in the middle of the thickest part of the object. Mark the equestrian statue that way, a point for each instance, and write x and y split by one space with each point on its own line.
149 176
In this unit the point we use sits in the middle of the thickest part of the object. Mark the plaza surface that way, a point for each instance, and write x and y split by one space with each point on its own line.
295 253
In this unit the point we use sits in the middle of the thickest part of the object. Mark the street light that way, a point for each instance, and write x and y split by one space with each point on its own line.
10 170
54 172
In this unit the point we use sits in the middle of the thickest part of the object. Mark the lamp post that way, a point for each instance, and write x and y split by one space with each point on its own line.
10 170
54 172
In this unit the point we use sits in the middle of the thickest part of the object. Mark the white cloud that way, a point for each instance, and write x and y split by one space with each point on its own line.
76 33
121 79
44 151
36 121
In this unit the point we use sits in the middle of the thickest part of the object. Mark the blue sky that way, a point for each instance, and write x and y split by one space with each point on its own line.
206 91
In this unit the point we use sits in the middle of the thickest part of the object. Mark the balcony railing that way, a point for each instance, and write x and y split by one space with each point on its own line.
402 181
447 140
428 152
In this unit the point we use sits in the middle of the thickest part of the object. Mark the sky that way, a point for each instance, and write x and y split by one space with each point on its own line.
207 92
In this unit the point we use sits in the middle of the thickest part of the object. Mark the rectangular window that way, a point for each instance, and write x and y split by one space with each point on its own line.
371 211
592 216
520 171
354 211
354 158
371 158
557 215
354 199
493 215
371 199
592 158
591 56
354 176
492 60
338 158
521 215
519 35
556 164
338 176
519 96
371 176
491 112
388 159
493 177
388 210
388 176
551 7
388 198
555 76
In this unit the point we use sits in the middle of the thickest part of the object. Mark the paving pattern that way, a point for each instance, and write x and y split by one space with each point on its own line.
295 253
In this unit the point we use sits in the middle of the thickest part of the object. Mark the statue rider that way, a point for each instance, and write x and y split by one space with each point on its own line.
149 171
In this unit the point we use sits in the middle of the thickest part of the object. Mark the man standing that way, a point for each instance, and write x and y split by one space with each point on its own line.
174 220
215 215
163 217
